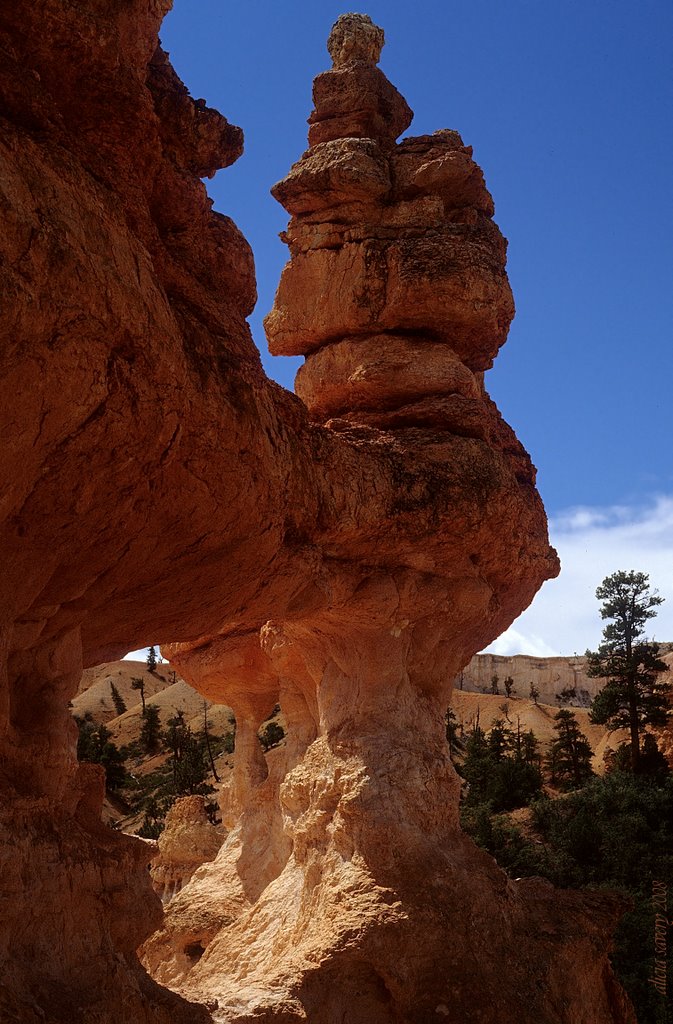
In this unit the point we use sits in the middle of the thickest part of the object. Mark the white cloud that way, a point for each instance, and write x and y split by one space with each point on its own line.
141 655
592 543
513 641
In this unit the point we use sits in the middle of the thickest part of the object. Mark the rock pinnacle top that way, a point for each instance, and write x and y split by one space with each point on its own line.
354 99
355 37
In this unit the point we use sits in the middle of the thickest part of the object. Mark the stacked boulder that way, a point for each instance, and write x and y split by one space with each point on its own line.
396 291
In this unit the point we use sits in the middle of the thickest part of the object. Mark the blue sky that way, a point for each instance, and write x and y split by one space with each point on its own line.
569 107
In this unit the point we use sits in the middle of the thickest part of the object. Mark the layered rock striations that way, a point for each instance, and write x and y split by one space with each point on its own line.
396 290
345 890
556 679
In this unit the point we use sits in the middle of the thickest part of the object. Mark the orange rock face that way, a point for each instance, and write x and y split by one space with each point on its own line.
349 559
123 339
188 841
374 223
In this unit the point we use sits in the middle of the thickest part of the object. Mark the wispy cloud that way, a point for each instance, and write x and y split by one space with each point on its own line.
593 543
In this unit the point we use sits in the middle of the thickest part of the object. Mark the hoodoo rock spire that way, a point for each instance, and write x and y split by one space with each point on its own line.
396 291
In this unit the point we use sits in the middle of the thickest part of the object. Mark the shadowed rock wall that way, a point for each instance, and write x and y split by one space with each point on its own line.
134 422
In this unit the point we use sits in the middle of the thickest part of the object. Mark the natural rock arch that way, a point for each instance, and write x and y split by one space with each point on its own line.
352 566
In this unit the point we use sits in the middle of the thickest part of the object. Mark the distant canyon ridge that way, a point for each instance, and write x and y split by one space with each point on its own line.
549 676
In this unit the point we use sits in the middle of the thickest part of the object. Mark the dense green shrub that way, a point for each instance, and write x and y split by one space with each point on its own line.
616 833
501 769
94 744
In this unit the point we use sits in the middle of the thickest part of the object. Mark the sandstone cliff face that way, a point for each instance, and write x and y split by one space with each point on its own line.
550 676
351 568
345 890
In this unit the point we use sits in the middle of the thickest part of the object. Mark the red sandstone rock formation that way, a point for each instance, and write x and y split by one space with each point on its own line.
157 486
346 890
126 364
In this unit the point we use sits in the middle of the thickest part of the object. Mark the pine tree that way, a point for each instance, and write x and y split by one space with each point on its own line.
652 760
150 733
508 683
477 769
499 740
188 758
138 683
529 748
634 695
206 736
504 707
94 744
497 769
117 700
452 737
534 692
569 757
151 659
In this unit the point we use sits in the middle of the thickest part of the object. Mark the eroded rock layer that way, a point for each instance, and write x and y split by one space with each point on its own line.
345 889
189 840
